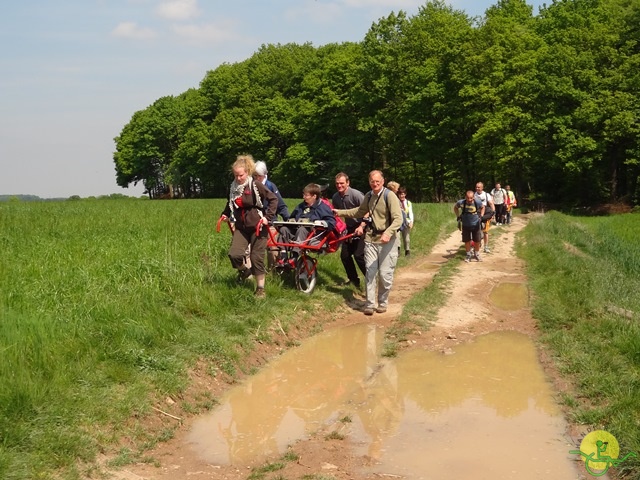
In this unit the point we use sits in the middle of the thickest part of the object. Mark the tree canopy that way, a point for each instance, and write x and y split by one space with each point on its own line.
548 103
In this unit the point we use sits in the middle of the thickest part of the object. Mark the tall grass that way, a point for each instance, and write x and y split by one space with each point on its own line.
585 273
106 304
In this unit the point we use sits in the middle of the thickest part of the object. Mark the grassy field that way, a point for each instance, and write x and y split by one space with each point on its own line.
104 306
585 275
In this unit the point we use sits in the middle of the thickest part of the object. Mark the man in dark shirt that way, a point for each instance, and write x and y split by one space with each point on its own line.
352 249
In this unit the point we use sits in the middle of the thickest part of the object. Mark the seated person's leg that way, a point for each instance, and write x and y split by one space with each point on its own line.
301 236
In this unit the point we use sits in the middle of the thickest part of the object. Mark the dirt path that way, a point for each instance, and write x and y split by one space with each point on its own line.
468 312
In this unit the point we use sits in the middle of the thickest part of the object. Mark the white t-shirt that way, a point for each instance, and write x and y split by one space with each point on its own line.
483 197
499 195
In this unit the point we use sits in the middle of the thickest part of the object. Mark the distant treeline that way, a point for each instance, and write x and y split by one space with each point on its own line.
35 198
22 198
548 104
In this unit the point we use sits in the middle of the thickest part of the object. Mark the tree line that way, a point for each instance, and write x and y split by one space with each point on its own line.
548 103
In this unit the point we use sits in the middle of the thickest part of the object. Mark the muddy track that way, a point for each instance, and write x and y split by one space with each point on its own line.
467 313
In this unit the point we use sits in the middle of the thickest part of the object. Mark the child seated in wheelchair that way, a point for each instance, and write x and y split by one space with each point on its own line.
308 211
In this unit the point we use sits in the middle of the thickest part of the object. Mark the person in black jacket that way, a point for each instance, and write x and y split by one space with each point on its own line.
250 204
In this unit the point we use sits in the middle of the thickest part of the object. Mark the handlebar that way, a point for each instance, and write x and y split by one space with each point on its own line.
223 219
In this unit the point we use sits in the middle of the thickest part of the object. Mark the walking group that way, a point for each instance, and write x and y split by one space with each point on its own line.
381 221
476 212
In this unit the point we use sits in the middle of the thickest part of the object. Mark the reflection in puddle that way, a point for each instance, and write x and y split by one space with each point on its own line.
485 412
290 398
510 296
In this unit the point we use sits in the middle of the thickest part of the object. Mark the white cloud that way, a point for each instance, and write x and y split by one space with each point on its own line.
316 11
210 34
132 30
178 9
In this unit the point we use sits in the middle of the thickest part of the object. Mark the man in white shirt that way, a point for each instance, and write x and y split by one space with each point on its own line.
489 210
500 199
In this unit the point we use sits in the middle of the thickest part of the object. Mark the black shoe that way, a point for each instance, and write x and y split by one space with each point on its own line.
348 283
407 253
243 275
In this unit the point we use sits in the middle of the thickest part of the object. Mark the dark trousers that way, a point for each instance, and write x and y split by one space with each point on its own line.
239 243
501 212
353 249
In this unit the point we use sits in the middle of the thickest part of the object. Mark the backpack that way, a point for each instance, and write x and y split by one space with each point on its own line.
488 212
404 214
470 218
341 226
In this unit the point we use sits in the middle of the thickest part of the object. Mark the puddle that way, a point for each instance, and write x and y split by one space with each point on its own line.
290 398
510 296
484 412
430 266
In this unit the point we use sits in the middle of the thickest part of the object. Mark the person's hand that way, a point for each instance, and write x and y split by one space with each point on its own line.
264 221
385 238
410 225
223 218
359 231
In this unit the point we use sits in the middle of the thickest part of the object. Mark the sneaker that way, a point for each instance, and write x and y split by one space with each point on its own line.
368 311
468 258
486 250
478 257
381 309
291 262
260 293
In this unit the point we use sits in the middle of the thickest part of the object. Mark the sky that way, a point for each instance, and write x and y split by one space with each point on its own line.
73 72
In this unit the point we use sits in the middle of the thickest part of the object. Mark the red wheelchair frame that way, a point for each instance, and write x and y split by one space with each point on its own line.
320 240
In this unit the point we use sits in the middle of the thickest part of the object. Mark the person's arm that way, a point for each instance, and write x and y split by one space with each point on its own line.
356 212
325 213
393 204
410 213
269 201
226 213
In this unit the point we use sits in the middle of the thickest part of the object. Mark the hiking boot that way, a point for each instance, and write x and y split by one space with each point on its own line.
478 257
260 293
407 253
381 309
468 257
486 250
368 311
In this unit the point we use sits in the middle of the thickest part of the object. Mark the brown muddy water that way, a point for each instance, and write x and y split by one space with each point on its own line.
485 411
510 296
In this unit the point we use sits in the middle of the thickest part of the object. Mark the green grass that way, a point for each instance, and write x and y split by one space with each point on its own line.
585 276
106 304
